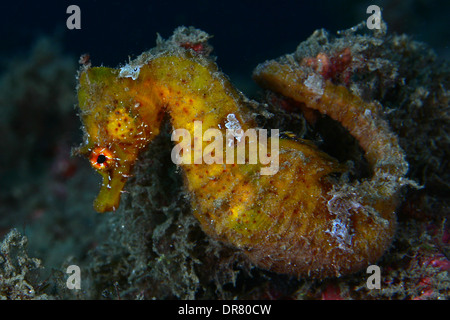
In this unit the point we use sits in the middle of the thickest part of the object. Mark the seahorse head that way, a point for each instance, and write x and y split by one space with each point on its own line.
114 131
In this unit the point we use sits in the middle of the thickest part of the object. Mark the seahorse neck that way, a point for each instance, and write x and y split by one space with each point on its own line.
191 89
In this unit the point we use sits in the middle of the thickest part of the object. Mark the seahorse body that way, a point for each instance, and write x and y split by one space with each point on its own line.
299 221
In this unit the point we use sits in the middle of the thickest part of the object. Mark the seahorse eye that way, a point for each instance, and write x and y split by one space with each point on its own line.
101 158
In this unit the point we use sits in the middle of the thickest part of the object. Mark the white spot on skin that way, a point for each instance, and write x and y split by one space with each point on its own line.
341 229
233 125
315 83
232 122
129 71
340 232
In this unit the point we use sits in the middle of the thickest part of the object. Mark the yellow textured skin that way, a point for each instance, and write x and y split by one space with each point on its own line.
300 221
357 116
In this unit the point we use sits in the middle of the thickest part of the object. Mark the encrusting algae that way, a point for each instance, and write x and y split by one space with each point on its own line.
305 218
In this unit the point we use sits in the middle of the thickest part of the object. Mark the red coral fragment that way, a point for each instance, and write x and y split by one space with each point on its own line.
197 47
441 262
334 67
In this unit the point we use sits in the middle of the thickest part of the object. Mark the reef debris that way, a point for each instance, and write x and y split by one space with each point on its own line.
18 272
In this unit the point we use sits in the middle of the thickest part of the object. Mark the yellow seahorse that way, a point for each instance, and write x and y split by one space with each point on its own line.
300 220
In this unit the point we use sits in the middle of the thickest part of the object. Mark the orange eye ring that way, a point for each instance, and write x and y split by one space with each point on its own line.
101 158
